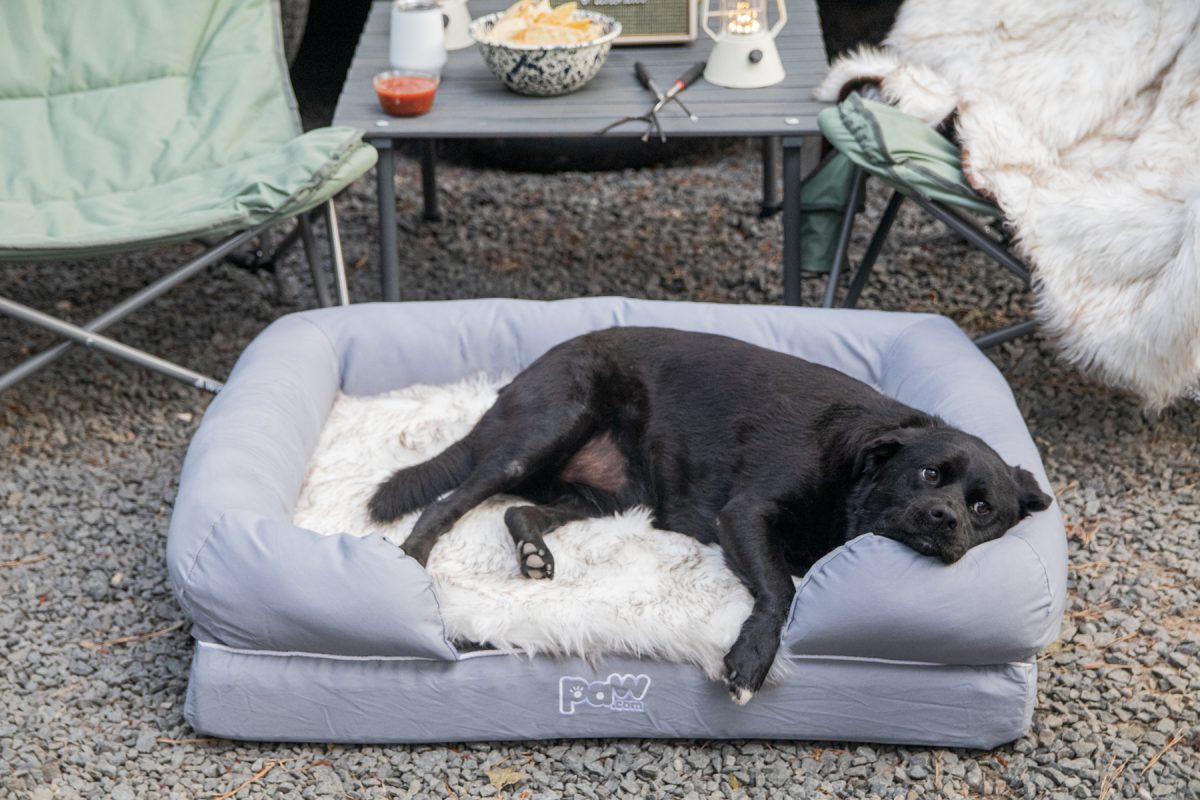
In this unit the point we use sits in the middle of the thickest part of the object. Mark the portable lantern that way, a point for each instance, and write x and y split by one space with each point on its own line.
744 55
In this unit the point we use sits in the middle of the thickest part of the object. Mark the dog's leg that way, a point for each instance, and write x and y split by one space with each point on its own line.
527 525
743 529
519 438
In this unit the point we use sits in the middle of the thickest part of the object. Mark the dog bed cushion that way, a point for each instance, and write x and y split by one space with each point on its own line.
302 636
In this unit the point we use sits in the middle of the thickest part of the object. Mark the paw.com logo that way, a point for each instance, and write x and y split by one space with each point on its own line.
618 693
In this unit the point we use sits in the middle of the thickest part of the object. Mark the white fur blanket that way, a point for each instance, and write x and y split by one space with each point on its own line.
620 586
1081 118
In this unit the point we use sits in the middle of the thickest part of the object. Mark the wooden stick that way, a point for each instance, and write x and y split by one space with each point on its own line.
255 778
137 637
20 562
1120 639
1176 739
1110 778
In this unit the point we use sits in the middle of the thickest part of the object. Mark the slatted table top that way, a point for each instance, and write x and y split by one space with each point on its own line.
473 103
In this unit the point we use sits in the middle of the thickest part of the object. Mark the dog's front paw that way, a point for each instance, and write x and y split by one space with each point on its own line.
536 562
746 669
739 692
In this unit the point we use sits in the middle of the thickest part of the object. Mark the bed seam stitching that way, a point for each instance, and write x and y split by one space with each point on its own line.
905 331
437 603
516 653
1045 574
337 359
187 579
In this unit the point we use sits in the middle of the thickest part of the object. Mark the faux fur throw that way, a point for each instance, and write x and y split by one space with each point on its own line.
620 586
1081 118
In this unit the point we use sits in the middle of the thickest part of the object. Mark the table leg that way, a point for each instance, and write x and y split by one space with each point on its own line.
429 180
770 177
389 257
792 173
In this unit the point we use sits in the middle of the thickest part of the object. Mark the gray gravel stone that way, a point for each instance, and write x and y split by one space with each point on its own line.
92 451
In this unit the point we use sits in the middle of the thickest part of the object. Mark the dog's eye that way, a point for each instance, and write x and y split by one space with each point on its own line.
981 508
930 474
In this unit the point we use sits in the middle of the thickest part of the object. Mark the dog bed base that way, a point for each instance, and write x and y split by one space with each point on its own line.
488 696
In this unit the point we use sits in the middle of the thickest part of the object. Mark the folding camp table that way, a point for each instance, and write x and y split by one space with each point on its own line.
473 104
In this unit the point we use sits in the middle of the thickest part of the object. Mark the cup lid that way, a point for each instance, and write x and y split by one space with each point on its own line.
416 5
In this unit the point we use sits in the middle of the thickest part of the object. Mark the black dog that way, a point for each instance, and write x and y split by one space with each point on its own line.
776 459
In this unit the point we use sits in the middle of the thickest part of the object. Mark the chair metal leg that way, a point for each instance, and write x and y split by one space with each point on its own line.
106 345
998 253
129 305
976 236
1006 334
843 243
873 250
314 261
335 248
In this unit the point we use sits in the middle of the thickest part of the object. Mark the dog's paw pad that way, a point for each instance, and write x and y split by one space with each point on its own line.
536 562
738 692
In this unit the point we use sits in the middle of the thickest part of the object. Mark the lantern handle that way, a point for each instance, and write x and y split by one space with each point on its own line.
779 23
704 20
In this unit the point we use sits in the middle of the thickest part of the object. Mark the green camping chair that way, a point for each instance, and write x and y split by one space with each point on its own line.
128 124
920 165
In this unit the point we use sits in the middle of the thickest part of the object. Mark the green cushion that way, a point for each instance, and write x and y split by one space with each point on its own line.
903 151
136 122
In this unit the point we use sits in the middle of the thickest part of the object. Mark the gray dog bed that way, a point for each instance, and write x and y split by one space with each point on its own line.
302 637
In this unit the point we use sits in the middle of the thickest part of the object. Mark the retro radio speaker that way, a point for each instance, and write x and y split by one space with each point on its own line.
649 21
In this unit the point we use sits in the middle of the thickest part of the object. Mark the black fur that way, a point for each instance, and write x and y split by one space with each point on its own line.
776 459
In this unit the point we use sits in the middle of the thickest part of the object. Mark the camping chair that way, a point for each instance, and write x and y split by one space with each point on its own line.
920 165
129 124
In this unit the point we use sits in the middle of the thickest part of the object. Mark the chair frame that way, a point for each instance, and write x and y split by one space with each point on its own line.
89 334
956 221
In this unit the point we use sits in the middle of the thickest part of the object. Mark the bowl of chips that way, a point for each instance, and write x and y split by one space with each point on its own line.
542 51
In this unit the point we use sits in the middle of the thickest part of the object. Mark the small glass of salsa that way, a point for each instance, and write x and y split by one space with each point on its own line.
406 93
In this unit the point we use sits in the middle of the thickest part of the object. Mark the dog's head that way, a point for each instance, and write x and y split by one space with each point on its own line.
938 490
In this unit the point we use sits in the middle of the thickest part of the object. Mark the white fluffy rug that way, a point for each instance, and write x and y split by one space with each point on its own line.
620 586
1082 119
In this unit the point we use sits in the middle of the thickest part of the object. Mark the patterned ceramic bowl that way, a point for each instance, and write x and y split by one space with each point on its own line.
545 70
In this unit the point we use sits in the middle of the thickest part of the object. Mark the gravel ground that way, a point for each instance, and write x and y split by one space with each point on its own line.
94 654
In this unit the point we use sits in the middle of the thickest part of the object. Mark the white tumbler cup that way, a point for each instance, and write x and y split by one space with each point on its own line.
417 41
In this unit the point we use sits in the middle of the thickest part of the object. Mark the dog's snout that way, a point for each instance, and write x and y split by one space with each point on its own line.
943 517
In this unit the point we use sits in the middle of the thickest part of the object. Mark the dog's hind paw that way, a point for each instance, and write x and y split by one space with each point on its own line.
536 562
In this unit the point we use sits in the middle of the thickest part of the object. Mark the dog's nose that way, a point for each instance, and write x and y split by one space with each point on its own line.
943 517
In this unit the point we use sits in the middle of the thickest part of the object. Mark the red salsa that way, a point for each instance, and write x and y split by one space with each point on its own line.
406 95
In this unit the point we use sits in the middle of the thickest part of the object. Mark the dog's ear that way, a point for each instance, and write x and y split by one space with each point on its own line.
1029 494
876 452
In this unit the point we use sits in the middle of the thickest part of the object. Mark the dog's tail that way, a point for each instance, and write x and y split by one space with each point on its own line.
415 487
